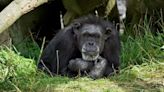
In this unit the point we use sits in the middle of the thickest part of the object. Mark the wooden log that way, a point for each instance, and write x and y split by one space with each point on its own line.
15 10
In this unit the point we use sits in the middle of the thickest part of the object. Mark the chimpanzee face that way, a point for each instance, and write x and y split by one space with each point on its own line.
90 39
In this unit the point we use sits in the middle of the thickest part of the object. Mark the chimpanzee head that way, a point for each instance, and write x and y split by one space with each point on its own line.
91 34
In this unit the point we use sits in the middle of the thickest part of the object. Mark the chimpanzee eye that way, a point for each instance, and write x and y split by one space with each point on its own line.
86 34
96 35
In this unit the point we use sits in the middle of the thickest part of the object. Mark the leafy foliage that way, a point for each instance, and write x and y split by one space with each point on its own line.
11 65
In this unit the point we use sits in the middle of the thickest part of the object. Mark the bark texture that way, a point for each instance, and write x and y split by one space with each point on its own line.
15 10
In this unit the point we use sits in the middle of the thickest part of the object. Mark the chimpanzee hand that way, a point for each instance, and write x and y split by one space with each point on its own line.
98 69
80 64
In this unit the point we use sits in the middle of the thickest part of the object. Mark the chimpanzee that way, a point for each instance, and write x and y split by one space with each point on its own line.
86 40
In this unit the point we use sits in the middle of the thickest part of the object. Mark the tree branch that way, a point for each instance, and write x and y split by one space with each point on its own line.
15 10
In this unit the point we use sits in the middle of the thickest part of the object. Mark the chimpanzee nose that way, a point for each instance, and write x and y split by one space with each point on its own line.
90 43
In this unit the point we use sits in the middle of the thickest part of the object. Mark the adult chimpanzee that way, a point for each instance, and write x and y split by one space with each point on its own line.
89 44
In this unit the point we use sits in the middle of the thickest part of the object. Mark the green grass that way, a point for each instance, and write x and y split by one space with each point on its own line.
141 49
142 68
19 74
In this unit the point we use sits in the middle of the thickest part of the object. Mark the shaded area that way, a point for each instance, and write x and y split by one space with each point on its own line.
50 23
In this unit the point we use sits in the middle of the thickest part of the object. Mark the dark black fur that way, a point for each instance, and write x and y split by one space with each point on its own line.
66 44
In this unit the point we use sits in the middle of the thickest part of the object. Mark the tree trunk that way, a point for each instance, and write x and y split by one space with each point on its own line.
15 10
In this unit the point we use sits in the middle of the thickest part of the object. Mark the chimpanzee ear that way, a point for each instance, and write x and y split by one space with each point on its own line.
76 27
108 32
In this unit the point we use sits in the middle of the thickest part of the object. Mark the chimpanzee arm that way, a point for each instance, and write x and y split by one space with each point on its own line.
96 68
111 51
64 43
80 64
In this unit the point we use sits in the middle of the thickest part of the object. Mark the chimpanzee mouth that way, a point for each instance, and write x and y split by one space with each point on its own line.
90 57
